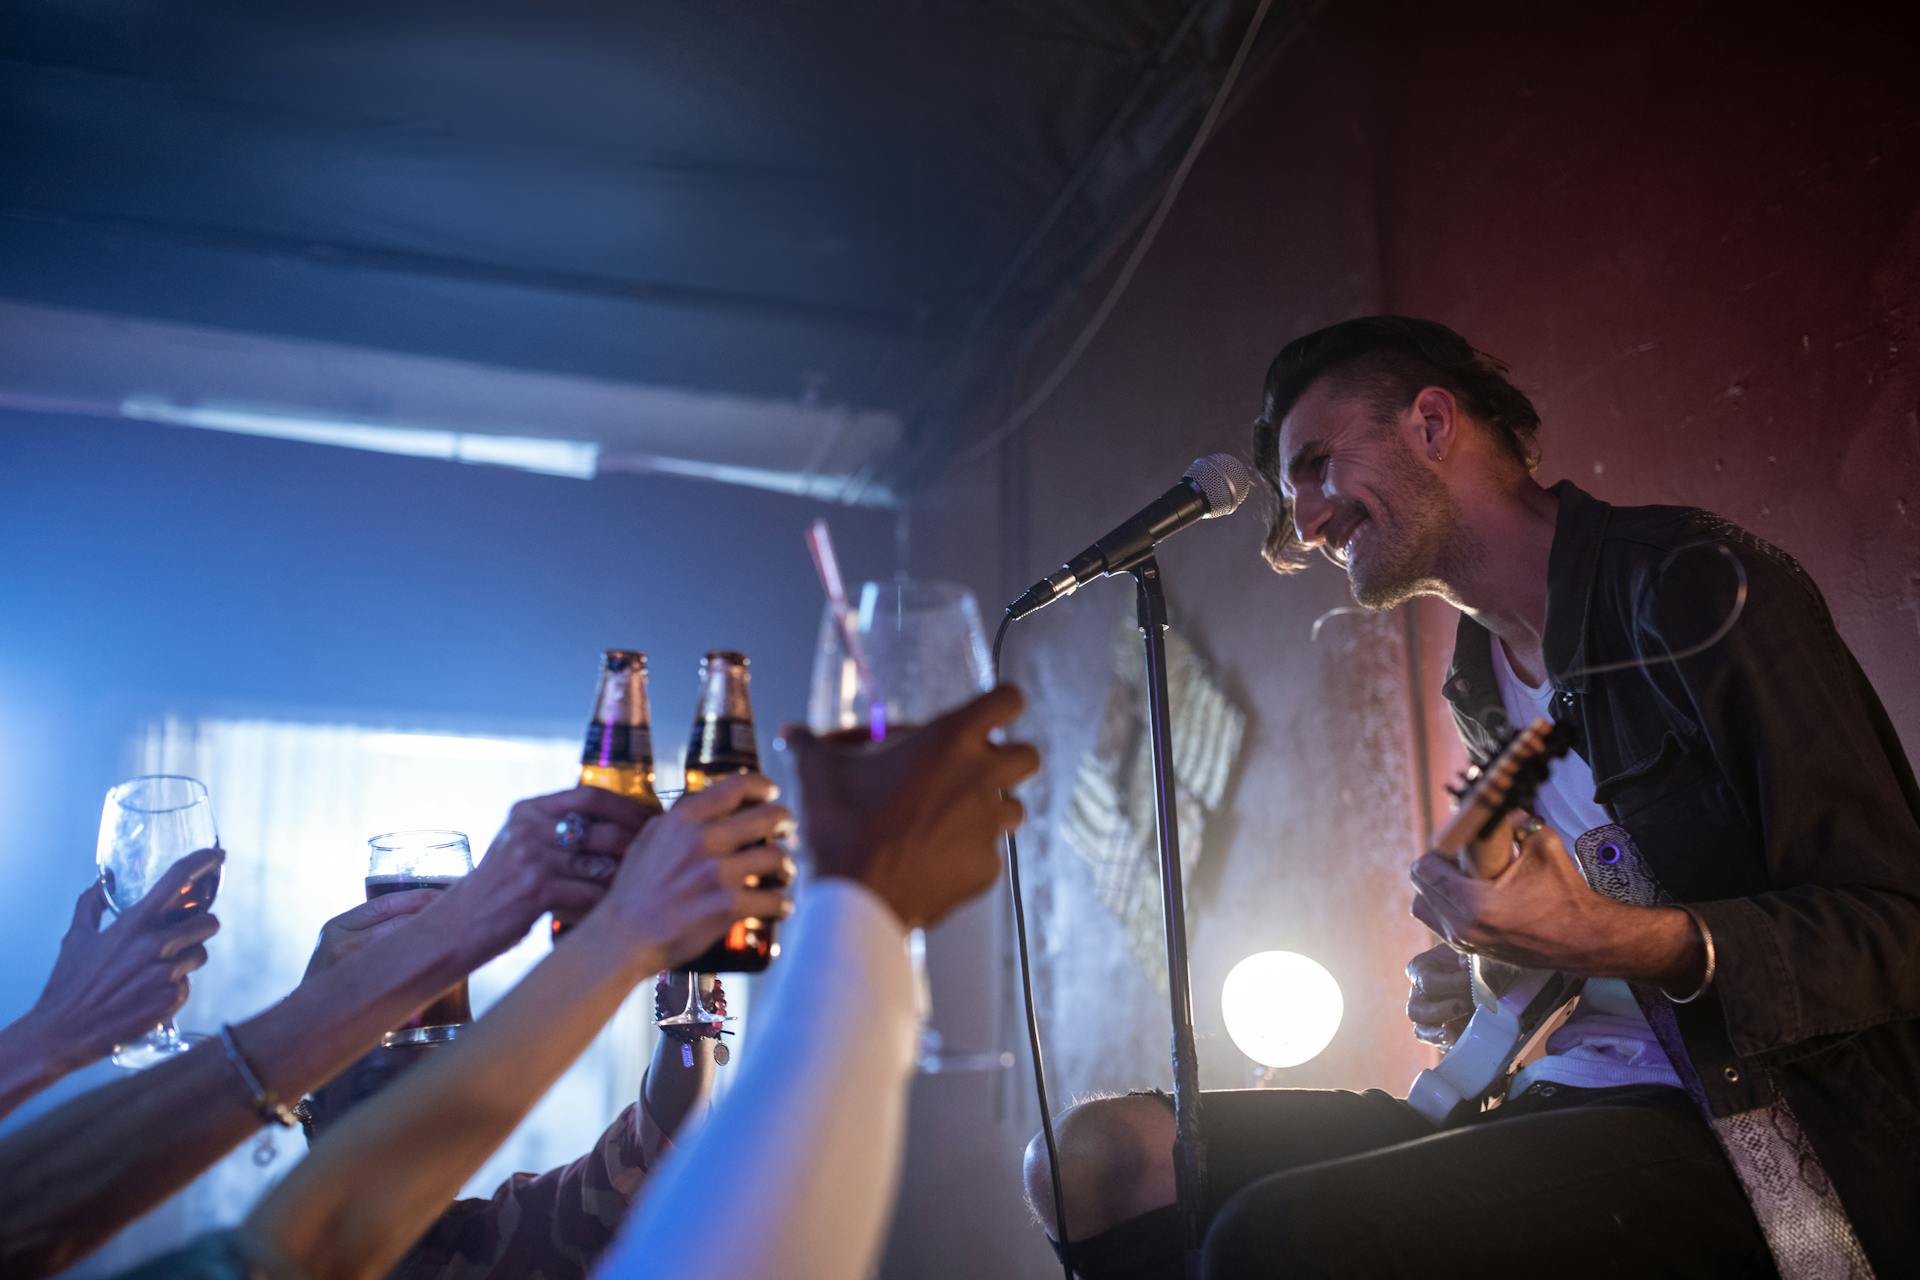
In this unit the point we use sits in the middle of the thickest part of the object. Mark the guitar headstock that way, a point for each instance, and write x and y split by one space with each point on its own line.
1508 782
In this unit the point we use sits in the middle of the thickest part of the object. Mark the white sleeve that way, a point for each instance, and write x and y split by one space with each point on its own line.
804 1152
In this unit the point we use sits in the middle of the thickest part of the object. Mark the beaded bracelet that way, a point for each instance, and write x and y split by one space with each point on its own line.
686 1034
717 1001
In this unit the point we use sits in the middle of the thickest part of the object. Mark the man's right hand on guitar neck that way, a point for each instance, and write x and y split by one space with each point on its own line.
1442 997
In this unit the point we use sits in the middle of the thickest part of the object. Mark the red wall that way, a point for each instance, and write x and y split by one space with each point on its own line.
1694 237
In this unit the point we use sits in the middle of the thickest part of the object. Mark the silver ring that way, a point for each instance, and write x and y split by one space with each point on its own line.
570 831
1528 828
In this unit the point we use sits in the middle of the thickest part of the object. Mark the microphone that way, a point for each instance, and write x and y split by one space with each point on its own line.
1215 485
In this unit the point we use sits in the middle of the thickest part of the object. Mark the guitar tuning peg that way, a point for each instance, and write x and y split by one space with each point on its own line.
1459 792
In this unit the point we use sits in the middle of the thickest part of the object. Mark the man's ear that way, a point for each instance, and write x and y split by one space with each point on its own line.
1437 418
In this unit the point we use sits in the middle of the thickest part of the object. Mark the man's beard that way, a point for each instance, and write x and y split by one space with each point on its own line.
1408 546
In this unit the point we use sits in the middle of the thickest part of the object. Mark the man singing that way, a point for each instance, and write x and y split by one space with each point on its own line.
1737 1089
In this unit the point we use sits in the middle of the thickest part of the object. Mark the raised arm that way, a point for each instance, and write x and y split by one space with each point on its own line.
558 1222
901 832
356 1204
78 1174
108 986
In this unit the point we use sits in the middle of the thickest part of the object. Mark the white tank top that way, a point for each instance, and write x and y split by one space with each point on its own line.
1606 1042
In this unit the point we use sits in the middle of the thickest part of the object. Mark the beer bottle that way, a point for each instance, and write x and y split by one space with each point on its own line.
722 742
618 754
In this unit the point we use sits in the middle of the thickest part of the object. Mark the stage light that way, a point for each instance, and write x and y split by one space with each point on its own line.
1281 1007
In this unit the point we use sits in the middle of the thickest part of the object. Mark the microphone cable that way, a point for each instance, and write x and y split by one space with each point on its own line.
1033 1018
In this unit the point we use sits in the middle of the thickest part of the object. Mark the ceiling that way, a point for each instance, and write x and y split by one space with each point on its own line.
851 208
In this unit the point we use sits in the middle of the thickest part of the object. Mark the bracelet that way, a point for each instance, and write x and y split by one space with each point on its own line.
1706 936
269 1108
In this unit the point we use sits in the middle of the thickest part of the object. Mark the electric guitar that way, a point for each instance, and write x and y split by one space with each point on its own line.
1511 1005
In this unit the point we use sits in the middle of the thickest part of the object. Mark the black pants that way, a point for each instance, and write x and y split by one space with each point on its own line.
1557 1182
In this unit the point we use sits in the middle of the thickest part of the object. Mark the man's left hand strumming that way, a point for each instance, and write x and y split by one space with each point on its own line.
1540 914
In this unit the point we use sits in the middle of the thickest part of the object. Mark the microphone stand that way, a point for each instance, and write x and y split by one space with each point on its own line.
1189 1148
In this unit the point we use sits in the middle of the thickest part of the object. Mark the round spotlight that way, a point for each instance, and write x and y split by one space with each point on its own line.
1281 1008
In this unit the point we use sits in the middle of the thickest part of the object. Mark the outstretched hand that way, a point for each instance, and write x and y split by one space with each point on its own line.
694 871
526 873
358 926
109 985
916 817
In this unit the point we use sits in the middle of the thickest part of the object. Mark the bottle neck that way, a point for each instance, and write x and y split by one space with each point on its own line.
620 735
723 739
622 698
723 695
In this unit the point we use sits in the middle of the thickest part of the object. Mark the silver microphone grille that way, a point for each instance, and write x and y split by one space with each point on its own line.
1222 480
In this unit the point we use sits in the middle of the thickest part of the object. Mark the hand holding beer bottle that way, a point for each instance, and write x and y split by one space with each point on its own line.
687 875
526 872
722 743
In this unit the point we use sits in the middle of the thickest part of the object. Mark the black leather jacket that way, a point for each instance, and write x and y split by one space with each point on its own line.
1767 789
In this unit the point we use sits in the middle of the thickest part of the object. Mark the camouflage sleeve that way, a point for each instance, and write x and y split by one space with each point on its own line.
549 1226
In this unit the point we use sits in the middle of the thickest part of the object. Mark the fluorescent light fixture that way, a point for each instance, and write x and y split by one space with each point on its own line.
578 459
801 484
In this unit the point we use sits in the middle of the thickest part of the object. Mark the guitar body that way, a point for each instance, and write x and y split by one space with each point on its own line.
1504 1022
1511 1005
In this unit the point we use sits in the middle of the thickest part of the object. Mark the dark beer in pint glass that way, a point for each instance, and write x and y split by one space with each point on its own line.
405 860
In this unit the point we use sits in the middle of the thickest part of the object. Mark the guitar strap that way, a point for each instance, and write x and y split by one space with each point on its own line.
1806 1227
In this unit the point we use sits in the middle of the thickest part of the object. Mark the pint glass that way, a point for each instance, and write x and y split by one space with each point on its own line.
403 860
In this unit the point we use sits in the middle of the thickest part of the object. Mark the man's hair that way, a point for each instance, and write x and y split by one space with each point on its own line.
1385 360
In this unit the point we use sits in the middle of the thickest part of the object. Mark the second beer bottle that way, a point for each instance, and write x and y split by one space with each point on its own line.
722 742
618 753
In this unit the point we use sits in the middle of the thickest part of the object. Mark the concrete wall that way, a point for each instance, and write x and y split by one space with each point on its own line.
1694 237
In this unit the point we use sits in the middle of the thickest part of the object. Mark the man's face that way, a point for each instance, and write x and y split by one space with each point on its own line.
1361 493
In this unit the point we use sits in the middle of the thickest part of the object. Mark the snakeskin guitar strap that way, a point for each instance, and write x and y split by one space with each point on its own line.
1800 1214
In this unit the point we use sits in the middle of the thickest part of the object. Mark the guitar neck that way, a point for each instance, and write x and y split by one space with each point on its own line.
1489 800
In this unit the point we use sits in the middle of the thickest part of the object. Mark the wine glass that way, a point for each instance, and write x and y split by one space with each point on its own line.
696 1014
147 825
926 653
